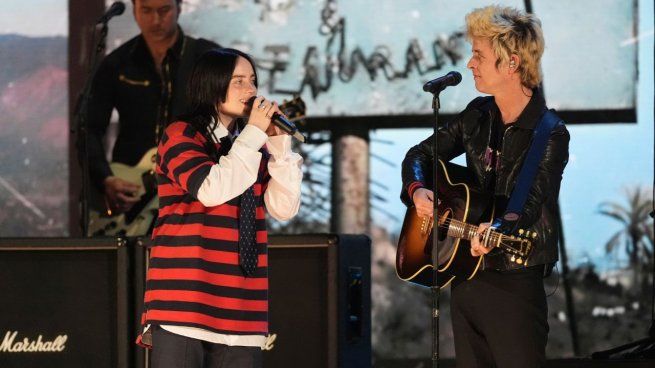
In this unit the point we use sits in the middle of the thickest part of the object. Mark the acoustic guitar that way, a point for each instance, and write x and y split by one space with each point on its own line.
460 210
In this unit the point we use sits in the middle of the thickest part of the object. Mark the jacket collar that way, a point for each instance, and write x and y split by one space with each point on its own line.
140 51
530 115
532 112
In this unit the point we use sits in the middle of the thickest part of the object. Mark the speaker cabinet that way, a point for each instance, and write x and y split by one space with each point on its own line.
320 301
64 303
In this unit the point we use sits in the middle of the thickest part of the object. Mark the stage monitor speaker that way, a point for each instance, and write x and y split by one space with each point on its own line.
320 301
64 303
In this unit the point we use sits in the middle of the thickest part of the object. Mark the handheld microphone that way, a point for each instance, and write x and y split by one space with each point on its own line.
117 8
439 84
282 123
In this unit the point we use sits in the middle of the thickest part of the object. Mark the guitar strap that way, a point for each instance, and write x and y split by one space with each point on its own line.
507 222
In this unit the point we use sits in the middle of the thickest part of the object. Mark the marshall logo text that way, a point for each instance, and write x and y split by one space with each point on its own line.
32 346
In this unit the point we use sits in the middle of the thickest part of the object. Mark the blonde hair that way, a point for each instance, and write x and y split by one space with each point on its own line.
510 31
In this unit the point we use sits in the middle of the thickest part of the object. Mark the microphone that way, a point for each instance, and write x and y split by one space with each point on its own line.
439 84
282 123
117 8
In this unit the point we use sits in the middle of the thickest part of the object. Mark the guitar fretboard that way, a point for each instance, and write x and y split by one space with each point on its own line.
459 229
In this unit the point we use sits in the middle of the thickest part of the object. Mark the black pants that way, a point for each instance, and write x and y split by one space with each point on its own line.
500 320
174 351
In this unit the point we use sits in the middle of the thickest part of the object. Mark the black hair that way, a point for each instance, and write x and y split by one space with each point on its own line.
207 86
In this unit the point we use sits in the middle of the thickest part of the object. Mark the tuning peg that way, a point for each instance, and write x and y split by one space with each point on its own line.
513 259
519 260
521 231
534 234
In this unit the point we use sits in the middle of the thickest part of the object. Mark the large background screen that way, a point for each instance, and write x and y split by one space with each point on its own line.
371 57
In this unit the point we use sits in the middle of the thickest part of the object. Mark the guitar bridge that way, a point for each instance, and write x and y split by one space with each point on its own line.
426 226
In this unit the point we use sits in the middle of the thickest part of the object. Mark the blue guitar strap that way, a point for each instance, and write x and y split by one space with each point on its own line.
528 172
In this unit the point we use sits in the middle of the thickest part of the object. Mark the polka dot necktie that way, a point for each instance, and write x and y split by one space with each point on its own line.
247 232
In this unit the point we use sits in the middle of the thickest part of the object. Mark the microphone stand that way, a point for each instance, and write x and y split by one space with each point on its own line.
80 125
435 290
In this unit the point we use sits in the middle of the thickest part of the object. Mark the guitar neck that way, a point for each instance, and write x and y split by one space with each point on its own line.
462 230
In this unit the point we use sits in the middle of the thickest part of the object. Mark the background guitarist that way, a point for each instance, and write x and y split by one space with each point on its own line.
144 80
500 316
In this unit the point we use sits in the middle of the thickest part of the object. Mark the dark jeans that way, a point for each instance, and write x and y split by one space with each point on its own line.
500 320
174 351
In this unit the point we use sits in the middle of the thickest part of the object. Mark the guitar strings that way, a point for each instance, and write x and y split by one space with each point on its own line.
493 237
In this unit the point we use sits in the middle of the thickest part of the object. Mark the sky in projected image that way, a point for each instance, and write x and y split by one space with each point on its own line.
359 58
34 18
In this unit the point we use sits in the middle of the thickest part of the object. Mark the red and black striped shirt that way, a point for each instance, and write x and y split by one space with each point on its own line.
194 278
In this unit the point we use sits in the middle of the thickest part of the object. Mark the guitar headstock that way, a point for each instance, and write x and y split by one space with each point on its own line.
519 246
295 110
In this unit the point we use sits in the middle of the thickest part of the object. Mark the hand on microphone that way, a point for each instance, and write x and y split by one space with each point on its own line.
272 114
261 114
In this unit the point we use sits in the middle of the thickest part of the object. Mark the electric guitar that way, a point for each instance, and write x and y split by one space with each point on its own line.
138 221
460 209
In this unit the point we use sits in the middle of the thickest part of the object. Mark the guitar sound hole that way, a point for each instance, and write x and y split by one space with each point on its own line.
444 222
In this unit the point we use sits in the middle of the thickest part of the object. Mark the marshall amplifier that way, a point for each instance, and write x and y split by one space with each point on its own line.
319 301
64 303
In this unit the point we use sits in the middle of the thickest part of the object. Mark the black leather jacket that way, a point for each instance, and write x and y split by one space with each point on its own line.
470 134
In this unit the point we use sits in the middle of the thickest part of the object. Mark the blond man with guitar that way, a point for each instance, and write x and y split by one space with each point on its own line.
500 314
